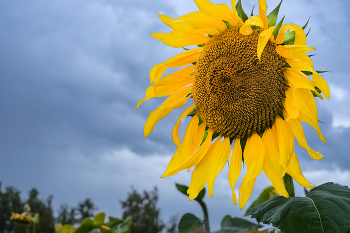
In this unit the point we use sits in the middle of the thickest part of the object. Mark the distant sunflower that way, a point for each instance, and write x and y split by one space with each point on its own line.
249 81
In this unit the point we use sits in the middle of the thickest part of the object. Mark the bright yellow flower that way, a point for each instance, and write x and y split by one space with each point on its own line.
248 80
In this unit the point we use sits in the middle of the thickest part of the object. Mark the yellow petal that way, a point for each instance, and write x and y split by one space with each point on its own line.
195 23
246 29
300 38
200 172
321 84
190 133
156 72
285 141
221 11
314 124
292 111
178 39
235 167
175 161
300 136
245 191
293 51
302 64
175 133
296 79
274 177
305 102
262 12
176 76
254 154
263 39
272 154
159 113
221 158
140 102
171 88
295 171
153 118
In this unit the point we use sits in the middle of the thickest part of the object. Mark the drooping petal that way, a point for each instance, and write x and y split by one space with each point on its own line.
190 133
246 29
221 158
254 154
292 111
296 79
305 102
175 161
285 141
300 136
200 172
321 84
302 64
263 39
293 51
176 76
262 13
139 103
221 11
178 39
295 171
235 167
314 124
157 114
272 154
300 38
175 133
181 59
245 191
192 159
274 177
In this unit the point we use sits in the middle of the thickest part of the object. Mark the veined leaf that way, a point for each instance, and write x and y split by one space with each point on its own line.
325 208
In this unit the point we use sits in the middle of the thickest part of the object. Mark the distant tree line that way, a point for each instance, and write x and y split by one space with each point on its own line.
142 208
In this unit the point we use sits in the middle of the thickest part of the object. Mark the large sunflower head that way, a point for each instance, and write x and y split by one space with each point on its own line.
250 83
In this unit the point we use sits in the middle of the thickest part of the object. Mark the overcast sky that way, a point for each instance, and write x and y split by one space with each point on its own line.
72 72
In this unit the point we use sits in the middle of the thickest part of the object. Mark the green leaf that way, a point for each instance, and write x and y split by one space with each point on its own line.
240 11
325 208
86 226
114 222
190 224
272 17
128 221
306 23
66 229
236 225
289 38
183 189
99 219
265 195
277 28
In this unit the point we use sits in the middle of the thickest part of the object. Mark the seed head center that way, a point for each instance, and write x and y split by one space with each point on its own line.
235 93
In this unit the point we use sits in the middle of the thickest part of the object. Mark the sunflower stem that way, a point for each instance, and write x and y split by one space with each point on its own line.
206 216
288 183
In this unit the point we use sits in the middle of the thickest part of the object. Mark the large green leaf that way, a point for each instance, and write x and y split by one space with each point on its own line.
272 17
236 225
183 189
325 208
190 224
66 229
265 195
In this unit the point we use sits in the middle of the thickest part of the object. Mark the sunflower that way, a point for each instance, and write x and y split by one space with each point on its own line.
250 85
